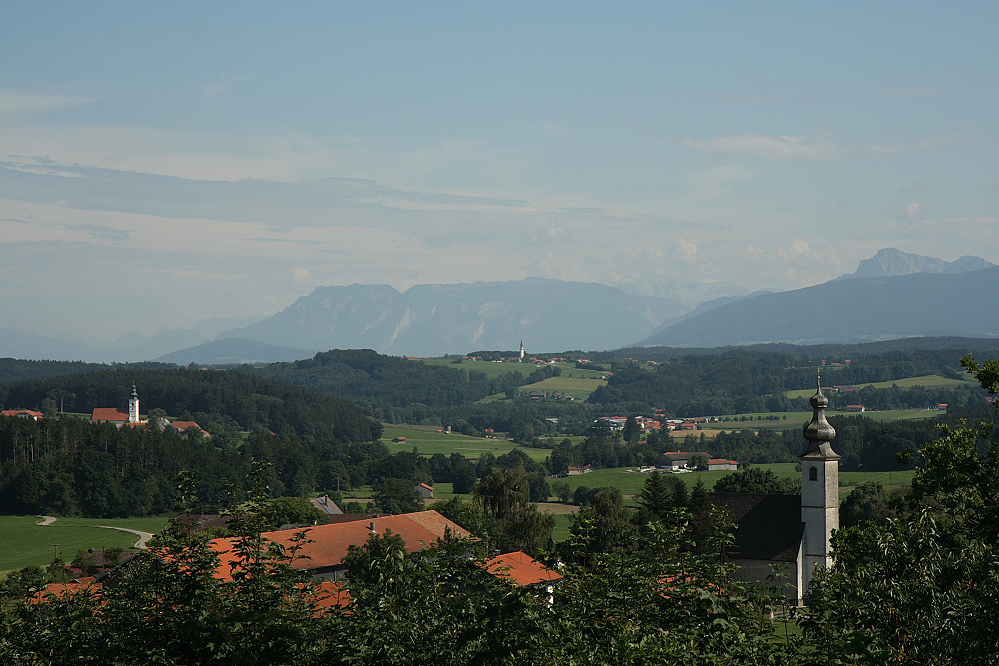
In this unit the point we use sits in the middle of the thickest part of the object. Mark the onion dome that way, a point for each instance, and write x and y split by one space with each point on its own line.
818 432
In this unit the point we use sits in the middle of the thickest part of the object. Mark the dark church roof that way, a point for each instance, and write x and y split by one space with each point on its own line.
768 527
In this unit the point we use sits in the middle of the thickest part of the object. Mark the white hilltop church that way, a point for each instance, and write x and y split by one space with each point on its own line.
790 530
118 417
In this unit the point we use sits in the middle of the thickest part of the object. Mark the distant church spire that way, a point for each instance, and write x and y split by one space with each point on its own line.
522 351
133 406
819 487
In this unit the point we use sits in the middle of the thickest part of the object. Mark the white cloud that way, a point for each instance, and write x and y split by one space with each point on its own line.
714 183
816 147
801 147
912 211
746 96
21 102
905 90
302 275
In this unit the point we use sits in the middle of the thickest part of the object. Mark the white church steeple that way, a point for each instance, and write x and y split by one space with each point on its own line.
819 488
133 406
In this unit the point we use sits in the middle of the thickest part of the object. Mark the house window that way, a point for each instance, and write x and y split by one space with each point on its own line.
813 474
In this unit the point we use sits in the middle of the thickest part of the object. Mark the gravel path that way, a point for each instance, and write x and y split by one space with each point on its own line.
144 537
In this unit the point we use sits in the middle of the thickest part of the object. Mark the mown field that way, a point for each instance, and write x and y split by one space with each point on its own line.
787 420
496 368
926 381
578 387
25 542
428 441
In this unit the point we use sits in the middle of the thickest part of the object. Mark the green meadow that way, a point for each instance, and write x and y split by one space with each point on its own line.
428 441
926 381
496 368
796 419
25 542
578 387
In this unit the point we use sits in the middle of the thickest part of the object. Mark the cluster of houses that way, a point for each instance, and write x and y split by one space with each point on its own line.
23 413
116 417
657 424
132 419
681 461
322 557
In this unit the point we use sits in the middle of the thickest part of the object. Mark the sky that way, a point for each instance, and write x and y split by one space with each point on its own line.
166 163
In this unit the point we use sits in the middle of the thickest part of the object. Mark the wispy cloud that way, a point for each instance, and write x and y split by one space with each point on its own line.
905 90
749 96
22 102
912 211
915 188
815 147
787 148
100 232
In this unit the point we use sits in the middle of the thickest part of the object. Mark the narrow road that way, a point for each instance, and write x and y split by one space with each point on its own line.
144 537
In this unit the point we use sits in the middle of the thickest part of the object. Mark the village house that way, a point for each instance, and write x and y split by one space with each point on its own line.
323 556
23 413
673 461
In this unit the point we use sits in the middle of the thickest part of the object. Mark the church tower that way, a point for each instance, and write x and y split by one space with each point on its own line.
521 351
819 488
133 406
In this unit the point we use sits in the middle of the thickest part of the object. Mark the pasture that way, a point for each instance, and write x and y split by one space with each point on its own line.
428 441
494 369
25 542
926 381
795 420
578 387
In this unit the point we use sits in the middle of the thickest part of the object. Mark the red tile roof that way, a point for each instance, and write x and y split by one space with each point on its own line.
22 412
79 586
520 568
108 414
330 543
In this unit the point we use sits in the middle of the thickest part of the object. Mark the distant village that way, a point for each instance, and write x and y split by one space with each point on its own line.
120 419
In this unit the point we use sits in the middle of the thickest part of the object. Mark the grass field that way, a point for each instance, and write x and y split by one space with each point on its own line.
428 442
796 419
579 388
495 369
926 381
25 543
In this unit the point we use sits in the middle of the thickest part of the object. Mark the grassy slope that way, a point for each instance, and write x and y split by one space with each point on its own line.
26 543
428 441
926 381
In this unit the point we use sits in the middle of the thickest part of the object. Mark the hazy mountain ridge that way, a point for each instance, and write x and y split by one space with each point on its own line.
890 262
854 310
236 351
434 319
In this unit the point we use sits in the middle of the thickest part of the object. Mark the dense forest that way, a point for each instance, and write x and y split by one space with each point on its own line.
741 381
218 400
365 376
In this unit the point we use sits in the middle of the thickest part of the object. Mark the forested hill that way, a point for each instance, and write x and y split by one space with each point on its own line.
216 398
16 369
744 381
366 376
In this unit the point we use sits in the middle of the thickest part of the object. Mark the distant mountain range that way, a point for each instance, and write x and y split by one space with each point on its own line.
890 262
234 351
435 319
858 309
892 295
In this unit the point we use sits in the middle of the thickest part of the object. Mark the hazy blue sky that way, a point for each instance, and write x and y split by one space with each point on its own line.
168 162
